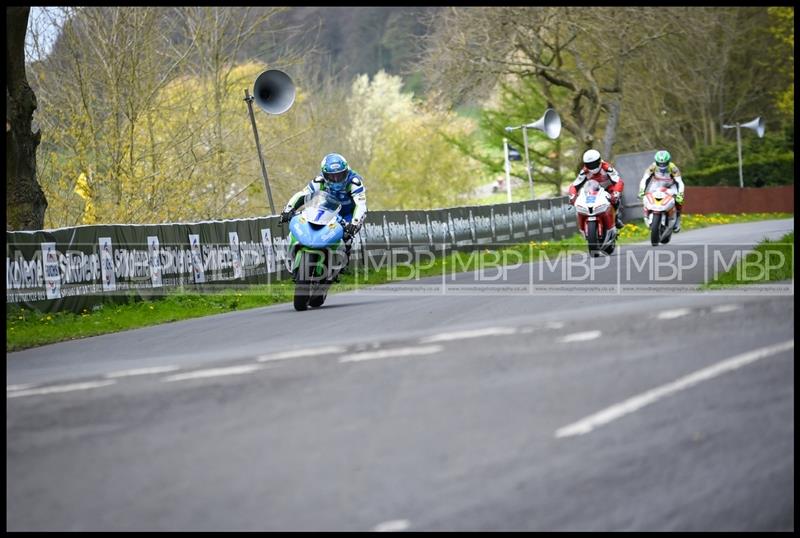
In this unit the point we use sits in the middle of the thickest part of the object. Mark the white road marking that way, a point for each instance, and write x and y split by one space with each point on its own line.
60 388
725 308
386 353
392 526
9 388
580 337
214 372
672 314
461 335
646 398
143 371
295 353
554 325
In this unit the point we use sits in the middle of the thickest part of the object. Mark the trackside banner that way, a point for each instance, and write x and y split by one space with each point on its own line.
76 268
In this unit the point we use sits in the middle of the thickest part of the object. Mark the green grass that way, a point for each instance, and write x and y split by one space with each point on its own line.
635 230
769 261
27 328
477 258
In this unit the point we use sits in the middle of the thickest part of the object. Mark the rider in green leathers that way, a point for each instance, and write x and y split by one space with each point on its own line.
663 169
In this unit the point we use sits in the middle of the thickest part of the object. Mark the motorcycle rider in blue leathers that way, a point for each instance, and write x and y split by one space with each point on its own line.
346 185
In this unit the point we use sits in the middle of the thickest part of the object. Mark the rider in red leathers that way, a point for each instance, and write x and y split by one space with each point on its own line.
604 173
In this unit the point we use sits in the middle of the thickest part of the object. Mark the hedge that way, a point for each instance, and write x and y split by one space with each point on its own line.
777 170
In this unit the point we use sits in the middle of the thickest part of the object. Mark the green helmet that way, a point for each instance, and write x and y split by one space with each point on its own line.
662 159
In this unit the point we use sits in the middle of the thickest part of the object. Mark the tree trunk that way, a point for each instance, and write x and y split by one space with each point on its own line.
25 201
558 167
611 127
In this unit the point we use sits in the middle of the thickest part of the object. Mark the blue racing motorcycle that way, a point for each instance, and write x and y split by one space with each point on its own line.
316 249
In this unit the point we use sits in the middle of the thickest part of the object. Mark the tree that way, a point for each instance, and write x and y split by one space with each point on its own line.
25 200
348 42
102 90
415 167
219 34
518 102
577 58
372 104
720 66
146 104
632 77
409 162
783 31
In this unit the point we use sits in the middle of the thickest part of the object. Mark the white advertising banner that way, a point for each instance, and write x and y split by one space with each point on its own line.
197 259
107 264
52 275
269 252
155 260
233 238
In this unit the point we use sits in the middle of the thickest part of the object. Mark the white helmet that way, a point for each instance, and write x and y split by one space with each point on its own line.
592 160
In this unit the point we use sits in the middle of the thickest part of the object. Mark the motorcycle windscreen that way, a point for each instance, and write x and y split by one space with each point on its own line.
662 185
592 198
591 188
321 208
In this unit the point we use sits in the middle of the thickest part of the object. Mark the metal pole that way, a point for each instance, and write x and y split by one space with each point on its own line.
508 166
739 147
249 99
527 159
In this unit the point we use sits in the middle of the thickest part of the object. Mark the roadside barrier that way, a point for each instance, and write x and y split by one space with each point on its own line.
79 267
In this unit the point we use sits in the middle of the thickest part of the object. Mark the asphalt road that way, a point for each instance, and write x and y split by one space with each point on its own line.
445 404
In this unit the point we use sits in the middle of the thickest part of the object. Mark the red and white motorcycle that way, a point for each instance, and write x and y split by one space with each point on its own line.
596 218
660 211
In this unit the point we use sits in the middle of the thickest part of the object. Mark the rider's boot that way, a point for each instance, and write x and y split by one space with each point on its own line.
677 227
619 224
346 269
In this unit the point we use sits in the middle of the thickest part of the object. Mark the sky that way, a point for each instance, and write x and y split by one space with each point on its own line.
43 22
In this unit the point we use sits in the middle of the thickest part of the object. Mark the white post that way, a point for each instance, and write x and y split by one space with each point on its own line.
508 170
527 159
739 147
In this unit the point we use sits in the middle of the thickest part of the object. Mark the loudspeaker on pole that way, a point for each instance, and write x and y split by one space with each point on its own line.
274 91
549 123
757 125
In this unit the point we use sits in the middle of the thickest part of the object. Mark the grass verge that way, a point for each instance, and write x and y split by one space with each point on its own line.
769 261
28 328
635 230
